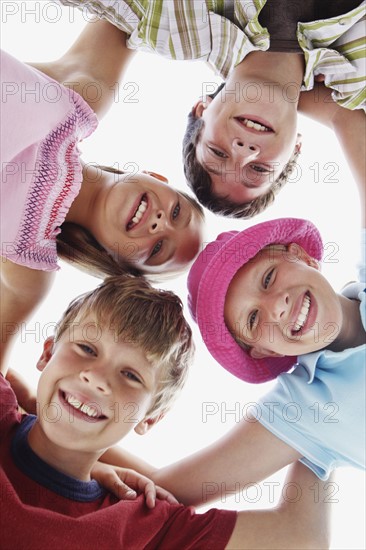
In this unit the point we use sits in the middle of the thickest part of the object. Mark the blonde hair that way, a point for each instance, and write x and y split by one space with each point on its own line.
148 317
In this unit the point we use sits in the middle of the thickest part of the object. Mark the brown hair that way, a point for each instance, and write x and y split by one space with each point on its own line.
77 246
200 181
150 318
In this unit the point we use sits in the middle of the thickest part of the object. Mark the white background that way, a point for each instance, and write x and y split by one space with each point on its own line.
145 127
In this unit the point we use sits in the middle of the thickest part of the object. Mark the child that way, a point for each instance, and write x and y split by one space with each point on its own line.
262 306
241 143
52 203
104 373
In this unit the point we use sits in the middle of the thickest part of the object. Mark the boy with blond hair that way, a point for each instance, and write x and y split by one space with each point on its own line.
104 372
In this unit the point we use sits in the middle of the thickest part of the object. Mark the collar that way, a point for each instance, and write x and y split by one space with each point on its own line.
354 291
39 471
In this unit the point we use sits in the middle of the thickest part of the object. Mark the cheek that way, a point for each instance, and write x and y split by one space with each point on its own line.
127 250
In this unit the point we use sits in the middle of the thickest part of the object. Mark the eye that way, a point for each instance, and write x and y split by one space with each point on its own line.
176 211
260 169
252 319
218 153
268 278
156 249
131 376
87 349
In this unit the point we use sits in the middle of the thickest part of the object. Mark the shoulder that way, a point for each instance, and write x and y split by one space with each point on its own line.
9 414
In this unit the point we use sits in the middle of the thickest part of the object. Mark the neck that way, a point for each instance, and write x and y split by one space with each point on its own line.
272 69
74 463
352 333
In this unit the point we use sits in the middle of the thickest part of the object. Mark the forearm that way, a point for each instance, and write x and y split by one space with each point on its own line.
21 290
119 457
247 454
301 520
94 65
349 127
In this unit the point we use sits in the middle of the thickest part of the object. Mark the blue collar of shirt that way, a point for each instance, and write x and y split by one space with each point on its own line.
39 471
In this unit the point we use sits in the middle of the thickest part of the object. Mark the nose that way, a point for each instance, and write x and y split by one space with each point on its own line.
277 306
96 380
158 222
246 150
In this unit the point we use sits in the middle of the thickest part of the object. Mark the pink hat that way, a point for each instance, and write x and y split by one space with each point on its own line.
209 280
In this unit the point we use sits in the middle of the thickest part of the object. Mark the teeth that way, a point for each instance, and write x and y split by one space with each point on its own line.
303 314
83 407
250 124
139 212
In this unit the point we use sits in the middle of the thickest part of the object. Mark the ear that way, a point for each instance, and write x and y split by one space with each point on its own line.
297 252
261 353
200 106
156 175
147 423
47 353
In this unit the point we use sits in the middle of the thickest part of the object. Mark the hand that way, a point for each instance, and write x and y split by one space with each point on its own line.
126 484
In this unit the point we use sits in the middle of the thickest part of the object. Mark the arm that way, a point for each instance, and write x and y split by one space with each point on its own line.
93 65
301 520
349 127
21 290
247 454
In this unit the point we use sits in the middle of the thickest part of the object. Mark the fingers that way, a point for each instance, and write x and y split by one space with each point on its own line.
163 494
123 491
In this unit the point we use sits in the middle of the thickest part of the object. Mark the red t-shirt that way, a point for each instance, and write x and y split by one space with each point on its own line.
52 511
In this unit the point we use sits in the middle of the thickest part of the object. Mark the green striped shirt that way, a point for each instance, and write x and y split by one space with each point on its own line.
199 30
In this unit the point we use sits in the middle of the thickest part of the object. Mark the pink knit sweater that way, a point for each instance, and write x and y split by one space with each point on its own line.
42 123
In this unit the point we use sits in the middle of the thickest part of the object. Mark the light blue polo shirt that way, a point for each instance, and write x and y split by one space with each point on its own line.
319 407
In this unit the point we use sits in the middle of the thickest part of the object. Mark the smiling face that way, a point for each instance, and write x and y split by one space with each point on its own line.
93 390
148 223
245 145
280 304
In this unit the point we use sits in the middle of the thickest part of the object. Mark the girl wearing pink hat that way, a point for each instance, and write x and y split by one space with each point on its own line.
264 310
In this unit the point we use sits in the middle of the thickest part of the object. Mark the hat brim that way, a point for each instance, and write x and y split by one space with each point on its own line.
216 279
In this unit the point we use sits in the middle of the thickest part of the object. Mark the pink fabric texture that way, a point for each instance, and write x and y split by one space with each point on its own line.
209 280
42 123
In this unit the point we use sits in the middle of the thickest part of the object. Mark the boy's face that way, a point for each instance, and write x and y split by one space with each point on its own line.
244 146
147 222
93 389
280 304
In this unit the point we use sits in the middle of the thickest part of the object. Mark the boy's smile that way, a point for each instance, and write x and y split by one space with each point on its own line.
250 127
280 304
93 390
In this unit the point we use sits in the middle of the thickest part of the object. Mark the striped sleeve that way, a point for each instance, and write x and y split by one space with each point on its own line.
336 48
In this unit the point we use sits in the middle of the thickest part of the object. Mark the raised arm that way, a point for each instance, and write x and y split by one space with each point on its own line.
349 127
301 519
94 65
